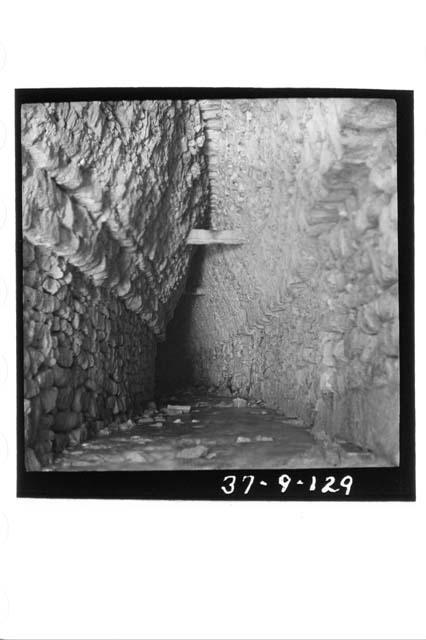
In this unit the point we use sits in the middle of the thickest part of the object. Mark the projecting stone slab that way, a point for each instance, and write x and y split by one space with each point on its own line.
210 236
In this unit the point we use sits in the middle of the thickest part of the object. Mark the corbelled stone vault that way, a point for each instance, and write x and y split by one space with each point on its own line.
301 312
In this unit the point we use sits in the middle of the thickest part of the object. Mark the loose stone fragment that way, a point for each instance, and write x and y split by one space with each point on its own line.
242 439
239 403
178 408
125 426
134 456
189 442
295 422
192 452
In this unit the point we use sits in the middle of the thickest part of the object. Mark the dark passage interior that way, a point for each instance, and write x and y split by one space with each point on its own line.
275 330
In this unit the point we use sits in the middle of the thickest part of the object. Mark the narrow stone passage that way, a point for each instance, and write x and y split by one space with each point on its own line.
216 433
291 300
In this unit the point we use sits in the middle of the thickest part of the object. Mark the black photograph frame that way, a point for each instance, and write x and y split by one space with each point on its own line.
383 484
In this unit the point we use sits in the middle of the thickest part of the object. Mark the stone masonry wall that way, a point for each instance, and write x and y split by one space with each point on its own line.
305 313
116 187
88 360
110 192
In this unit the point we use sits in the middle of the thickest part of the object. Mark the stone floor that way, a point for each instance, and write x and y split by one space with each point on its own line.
217 433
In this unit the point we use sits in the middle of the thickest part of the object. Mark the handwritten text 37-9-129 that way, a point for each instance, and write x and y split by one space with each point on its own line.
232 483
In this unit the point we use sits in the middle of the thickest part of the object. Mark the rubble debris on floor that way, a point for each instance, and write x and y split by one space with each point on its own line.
225 435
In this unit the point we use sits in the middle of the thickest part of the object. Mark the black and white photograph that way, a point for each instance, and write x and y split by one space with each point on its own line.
211 320
211 283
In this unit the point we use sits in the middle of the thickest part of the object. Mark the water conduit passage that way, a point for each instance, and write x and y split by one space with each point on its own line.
210 284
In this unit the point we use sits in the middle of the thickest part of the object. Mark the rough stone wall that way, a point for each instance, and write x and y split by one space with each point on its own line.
88 360
110 192
305 313
116 187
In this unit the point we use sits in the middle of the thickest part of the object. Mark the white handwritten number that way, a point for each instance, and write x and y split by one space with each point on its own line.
327 487
231 487
313 484
346 482
284 481
250 482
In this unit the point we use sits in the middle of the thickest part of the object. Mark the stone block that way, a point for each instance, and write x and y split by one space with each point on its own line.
46 422
27 361
79 376
31 278
91 384
370 347
65 421
92 410
77 404
60 442
368 320
83 360
37 359
48 399
75 437
191 453
32 298
339 351
31 388
389 339
327 353
36 413
56 324
335 322
62 377
65 357
28 254
51 285
45 378
47 303
42 340
31 461
65 398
